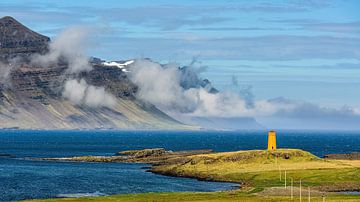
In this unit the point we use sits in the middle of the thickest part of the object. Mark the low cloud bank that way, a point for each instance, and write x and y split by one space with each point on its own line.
160 85
69 46
165 87
175 90
301 109
81 93
5 70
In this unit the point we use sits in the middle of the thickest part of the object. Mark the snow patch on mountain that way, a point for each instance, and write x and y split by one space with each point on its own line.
121 65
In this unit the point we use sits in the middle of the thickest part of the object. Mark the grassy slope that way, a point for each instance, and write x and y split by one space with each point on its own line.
260 169
256 170
202 197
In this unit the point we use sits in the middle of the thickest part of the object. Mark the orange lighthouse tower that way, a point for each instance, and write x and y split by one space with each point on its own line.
271 140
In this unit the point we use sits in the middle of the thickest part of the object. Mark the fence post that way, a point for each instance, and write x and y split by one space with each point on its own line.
300 190
285 179
280 173
291 189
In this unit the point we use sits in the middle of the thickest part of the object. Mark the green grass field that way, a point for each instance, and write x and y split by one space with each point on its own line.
261 175
208 196
261 169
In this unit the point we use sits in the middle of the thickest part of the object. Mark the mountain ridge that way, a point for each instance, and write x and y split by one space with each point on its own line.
31 95
17 40
43 86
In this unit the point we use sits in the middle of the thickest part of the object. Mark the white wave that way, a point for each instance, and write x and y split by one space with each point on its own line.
78 195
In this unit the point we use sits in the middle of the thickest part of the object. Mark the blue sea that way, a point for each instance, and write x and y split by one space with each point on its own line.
21 178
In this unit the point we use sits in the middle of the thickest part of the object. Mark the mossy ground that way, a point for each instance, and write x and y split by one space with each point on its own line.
256 171
202 197
261 169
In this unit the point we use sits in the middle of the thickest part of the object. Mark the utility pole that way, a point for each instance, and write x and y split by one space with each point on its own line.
300 190
285 179
291 189
280 173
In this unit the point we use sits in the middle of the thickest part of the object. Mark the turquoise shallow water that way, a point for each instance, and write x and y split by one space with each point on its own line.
25 179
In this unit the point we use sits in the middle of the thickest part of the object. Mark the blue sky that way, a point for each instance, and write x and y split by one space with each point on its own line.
305 50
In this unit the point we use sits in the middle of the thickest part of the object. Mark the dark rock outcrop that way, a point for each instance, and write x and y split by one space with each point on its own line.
143 153
349 156
155 156
189 79
37 83
115 80
16 40
6 156
43 83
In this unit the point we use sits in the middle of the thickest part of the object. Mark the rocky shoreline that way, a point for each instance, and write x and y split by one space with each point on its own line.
155 157
348 156
195 164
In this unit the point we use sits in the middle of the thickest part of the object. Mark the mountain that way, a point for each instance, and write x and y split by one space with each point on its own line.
18 40
32 96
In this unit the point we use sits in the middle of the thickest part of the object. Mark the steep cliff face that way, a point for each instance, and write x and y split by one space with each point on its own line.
17 40
31 96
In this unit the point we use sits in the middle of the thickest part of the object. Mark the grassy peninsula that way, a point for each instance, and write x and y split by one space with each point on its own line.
261 174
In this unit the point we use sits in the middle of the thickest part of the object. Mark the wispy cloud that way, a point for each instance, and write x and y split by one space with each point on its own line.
351 27
235 29
340 66
275 47
162 16
347 27
280 6
69 46
81 93
167 93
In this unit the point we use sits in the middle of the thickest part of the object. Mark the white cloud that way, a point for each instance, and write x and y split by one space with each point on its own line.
5 70
75 90
69 46
162 85
81 93
97 96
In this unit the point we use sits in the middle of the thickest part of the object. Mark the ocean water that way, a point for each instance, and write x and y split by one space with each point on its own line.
27 179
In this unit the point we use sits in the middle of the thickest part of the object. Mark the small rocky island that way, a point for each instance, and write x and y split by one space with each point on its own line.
155 156
6 155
